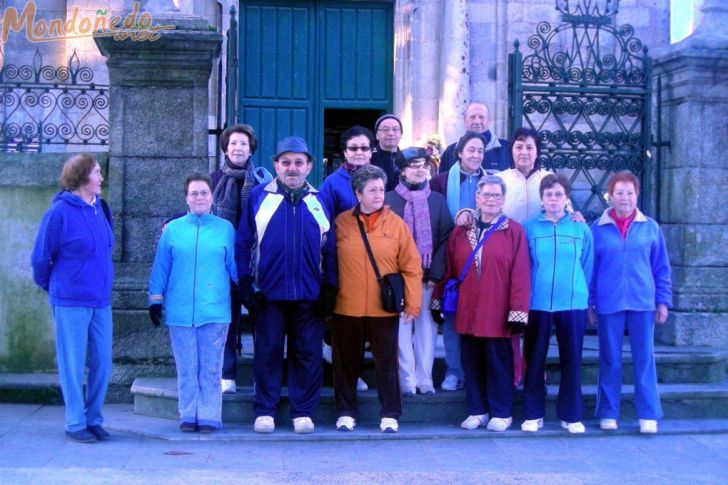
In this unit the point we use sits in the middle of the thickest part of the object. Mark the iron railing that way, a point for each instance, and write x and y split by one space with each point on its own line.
47 105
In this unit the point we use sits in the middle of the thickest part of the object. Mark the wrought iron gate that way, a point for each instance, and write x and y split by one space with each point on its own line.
586 87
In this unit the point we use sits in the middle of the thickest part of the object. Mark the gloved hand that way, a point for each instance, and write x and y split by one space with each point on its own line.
248 296
155 314
437 316
517 328
326 300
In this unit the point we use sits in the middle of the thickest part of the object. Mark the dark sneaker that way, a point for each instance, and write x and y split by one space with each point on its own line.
207 429
100 433
82 436
188 427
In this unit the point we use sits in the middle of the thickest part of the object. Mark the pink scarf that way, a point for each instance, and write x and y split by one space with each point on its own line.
417 218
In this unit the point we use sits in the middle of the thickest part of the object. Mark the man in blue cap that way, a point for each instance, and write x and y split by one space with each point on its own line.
286 252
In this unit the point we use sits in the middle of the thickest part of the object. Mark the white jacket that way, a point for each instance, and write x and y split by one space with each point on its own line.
522 198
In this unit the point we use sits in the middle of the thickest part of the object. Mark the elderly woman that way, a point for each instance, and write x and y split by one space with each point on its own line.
562 255
631 288
458 185
492 304
72 262
231 185
191 275
359 312
426 215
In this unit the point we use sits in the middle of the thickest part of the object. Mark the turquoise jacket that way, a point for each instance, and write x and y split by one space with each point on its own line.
192 270
562 258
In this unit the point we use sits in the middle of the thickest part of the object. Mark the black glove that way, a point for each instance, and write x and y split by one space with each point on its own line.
155 314
517 328
437 316
250 298
326 300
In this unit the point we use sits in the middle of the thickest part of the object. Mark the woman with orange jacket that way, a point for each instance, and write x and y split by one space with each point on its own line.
359 313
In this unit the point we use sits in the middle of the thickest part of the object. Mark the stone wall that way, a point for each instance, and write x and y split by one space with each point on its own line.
28 184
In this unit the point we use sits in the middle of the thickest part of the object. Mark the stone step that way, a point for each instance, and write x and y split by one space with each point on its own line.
674 364
157 397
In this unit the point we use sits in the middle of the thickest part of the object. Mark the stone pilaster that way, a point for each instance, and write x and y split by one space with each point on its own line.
693 180
158 135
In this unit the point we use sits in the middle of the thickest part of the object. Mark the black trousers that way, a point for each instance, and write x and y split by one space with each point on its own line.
230 355
348 337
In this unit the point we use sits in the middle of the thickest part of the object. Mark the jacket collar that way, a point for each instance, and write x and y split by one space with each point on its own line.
607 219
272 187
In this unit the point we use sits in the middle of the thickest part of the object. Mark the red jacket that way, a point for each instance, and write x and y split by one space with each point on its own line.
497 288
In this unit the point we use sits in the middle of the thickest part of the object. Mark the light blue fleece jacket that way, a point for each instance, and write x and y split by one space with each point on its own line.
562 257
631 273
192 270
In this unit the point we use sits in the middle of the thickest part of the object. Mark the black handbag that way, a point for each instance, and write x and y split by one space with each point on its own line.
391 285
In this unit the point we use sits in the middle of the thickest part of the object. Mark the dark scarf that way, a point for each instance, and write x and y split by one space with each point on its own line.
294 195
350 168
417 216
231 192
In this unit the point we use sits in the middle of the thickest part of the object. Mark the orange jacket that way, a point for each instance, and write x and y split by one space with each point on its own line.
395 252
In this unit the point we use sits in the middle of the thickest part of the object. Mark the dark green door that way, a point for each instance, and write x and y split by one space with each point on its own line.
301 58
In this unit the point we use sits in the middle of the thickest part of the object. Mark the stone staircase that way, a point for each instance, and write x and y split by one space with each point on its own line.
693 384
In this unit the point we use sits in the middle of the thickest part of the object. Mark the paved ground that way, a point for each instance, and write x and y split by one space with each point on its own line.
33 449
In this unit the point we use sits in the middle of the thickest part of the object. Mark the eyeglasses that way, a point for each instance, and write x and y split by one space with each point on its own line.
195 194
295 163
387 129
419 165
487 195
359 149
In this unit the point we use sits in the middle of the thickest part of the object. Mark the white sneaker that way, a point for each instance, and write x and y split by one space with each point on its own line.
409 391
303 424
499 424
228 386
327 353
574 428
608 424
345 423
532 425
474 421
389 425
264 424
648 426
451 383
361 386
426 389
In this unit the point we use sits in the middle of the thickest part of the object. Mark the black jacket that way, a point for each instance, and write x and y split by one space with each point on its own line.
441 223
385 160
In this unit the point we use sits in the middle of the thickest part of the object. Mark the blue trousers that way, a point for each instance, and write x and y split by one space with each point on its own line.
80 330
451 342
198 357
569 326
488 366
230 356
641 328
275 321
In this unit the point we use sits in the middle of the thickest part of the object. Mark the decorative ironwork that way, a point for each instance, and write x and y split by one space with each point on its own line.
47 105
585 86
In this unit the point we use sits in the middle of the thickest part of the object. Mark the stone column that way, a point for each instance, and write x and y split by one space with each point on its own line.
158 135
454 68
693 180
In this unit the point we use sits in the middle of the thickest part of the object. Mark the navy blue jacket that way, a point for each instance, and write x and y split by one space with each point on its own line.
288 250
72 254
497 155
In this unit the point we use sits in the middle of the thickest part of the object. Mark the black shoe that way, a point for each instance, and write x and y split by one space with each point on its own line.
207 429
188 427
82 436
100 433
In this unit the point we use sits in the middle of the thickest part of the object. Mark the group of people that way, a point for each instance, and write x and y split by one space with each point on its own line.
385 250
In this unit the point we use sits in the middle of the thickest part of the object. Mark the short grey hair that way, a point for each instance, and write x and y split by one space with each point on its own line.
364 175
491 180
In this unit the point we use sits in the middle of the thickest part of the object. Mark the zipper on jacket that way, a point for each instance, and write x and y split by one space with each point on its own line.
194 273
553 274
295 272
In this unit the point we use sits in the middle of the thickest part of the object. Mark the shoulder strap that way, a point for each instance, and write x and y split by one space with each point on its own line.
368 248
489 232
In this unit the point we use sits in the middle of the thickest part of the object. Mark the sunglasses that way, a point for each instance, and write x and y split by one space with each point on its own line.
359 149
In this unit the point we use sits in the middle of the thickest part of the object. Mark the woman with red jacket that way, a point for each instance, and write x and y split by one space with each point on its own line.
492 305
